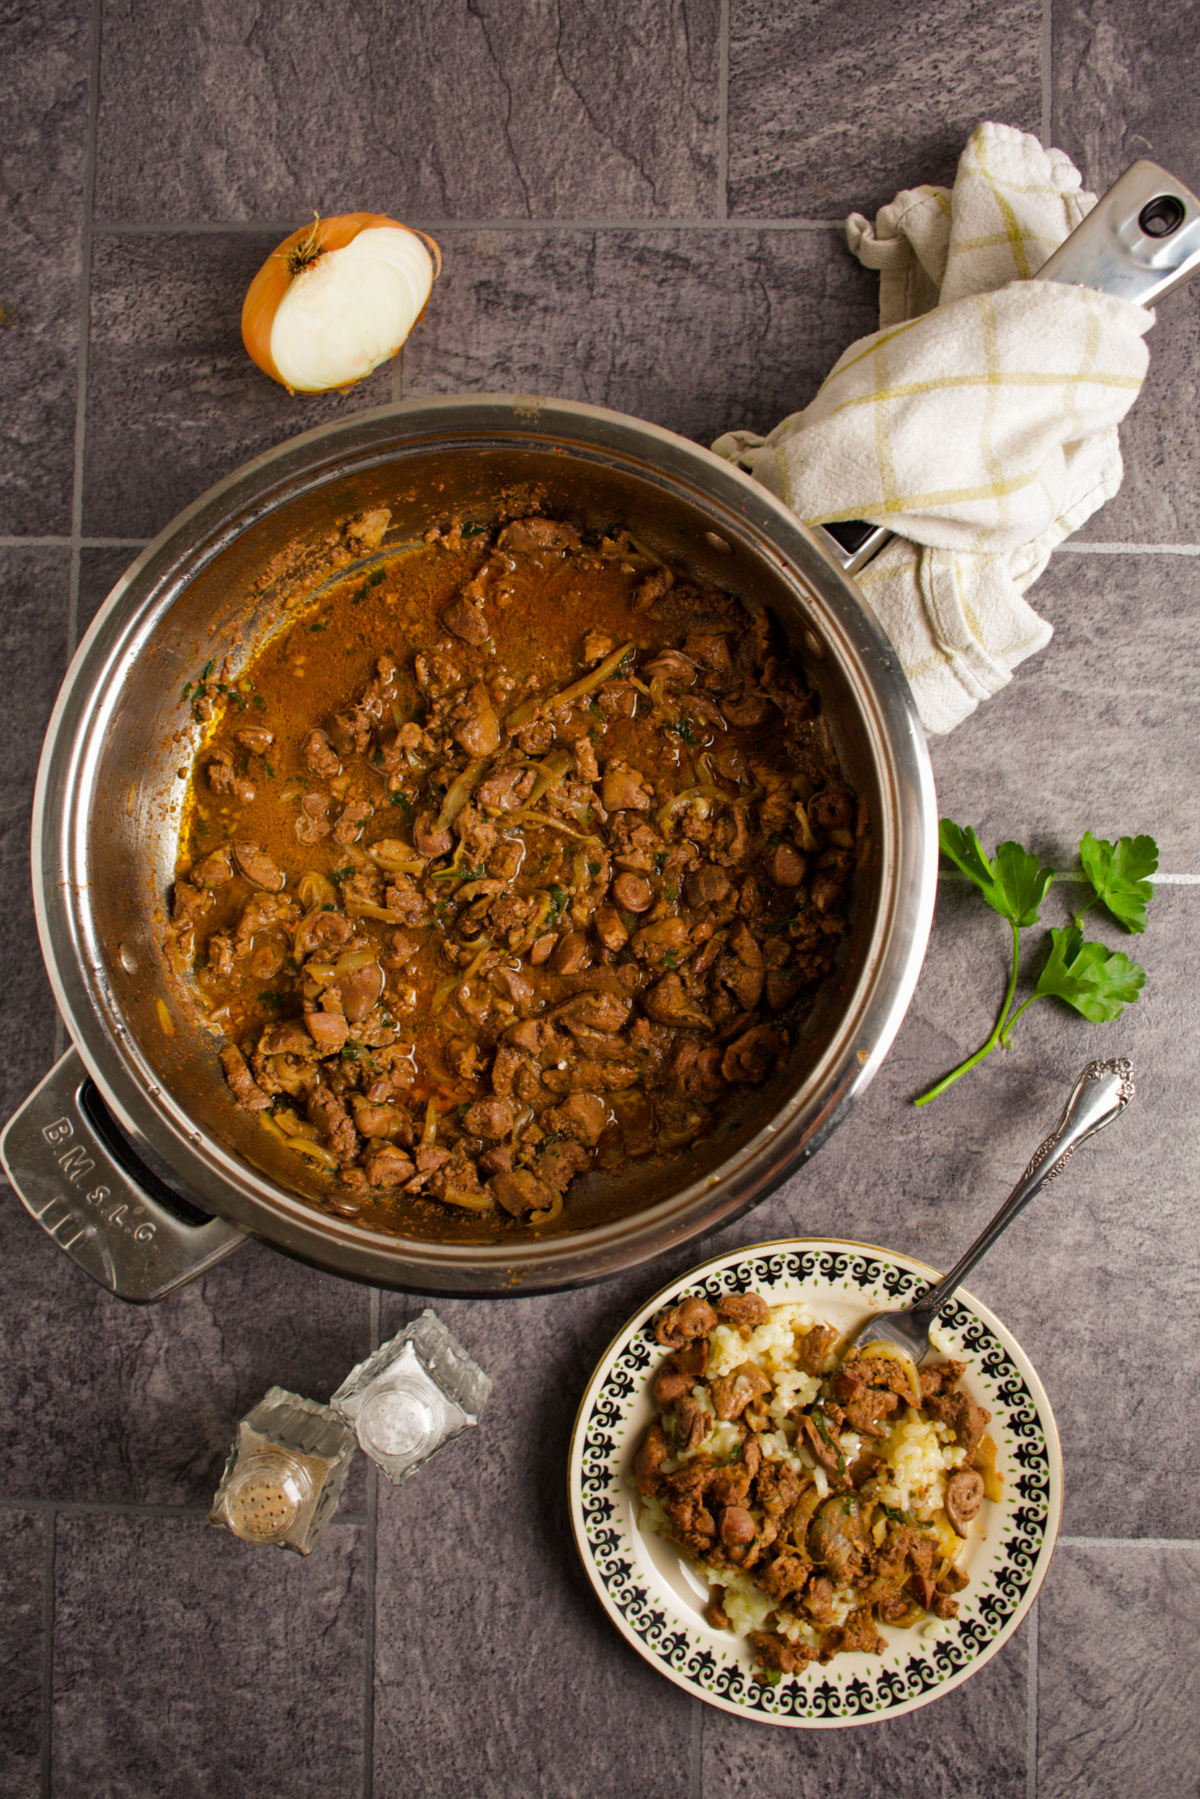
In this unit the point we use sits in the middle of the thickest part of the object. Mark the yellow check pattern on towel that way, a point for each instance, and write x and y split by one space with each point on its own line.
979 422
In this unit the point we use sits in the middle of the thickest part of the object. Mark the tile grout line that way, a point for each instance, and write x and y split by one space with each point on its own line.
85 319
369 1619
47 1653
250 228
1129 1542
67 542
1128 549
1045 69
1031 1705
697 1749
723 116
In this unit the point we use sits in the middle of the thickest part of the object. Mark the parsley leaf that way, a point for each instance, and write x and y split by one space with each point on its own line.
1118 874
1098 982
1014 885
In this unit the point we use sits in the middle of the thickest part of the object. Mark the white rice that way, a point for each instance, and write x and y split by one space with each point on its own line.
915 1458
770 1346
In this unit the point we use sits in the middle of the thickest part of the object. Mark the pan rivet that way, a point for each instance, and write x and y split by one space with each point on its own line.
126 958
814 646
718 543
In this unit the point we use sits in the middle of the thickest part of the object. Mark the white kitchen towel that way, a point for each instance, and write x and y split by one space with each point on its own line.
979 422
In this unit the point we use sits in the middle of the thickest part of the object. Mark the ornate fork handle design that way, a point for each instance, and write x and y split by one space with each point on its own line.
1101 1093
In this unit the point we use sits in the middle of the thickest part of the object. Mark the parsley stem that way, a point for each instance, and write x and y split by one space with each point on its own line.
995 1035
1006 1033
1076 916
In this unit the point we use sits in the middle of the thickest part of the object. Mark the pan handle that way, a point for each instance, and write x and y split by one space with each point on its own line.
76 1173
1139 243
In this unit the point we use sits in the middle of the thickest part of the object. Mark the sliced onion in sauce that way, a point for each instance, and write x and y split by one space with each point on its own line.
550 1212
353 960
315 891
396 857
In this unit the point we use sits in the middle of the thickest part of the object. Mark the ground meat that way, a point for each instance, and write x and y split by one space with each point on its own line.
255 738
354 816
388 1167
223 777
648 1461
940 1377
775 1652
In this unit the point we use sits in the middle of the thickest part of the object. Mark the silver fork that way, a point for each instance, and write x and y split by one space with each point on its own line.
1101 1093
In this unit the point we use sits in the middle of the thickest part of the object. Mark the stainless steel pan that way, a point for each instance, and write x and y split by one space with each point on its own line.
130 1153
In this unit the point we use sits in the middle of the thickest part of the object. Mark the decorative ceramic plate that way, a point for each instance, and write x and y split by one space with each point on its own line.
657 1600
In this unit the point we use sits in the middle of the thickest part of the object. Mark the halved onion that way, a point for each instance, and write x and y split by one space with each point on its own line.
337 298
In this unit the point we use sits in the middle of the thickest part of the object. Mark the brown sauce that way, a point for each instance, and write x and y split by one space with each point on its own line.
514 857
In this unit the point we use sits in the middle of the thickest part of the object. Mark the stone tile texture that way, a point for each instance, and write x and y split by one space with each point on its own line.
502 1590
165 1384
188 1663
703 332
834 108
33 644
1124 84
167 367
45 53
460 110
22 1642
969 1745
1122 1721
640 207
1083 726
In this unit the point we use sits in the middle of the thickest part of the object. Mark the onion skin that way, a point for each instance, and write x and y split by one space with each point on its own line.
287 261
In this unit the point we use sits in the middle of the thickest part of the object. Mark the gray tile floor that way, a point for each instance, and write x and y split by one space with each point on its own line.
639 206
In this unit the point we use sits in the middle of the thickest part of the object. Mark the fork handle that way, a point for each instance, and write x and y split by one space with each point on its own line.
1101 1093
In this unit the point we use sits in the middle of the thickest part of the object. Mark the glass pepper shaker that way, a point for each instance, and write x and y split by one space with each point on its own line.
285 1472
414 1395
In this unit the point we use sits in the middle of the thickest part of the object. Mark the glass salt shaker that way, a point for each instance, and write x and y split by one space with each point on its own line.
285 1472
415 1394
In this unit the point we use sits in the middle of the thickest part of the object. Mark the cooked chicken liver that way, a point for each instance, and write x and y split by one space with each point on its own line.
541 846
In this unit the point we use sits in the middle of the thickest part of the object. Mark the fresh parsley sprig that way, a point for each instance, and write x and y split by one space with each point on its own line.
1098 982
1118 874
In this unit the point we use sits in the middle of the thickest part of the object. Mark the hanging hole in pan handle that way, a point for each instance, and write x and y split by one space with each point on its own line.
1162 216
89 1187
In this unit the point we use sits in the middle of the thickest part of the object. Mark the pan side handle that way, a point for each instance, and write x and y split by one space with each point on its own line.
80 1178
